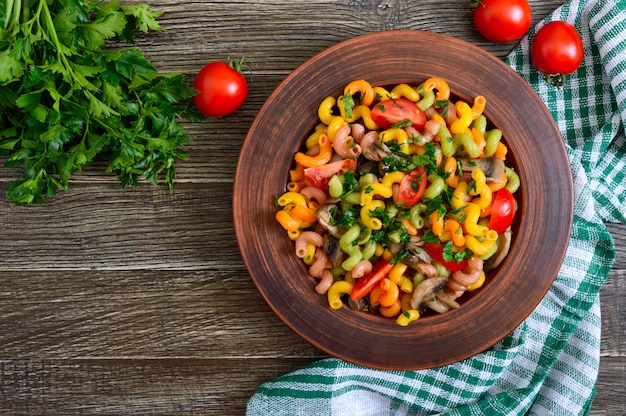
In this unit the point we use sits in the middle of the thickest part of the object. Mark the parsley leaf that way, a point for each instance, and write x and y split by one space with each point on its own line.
66 98
348 104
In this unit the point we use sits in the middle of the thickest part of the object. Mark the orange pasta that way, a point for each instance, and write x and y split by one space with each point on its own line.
324 155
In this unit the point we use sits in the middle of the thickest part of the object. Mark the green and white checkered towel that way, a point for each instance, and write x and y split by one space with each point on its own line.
549 364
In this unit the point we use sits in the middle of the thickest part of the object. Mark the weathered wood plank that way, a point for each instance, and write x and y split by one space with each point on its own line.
611 387
136 301
96 227
134 386
213 313
178 386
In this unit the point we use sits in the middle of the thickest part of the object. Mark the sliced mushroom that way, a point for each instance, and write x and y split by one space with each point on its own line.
448 300
332 250
493 167
437 306
358 305
425 290
324 217
504 244
378 151
365 167
442 302
414 253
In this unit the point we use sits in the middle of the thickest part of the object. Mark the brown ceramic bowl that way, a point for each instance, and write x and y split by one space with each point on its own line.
541 229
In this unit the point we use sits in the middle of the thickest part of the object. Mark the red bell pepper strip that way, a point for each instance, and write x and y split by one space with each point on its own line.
436 252
365 284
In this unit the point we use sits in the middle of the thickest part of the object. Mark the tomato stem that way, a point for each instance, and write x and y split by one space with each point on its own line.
558 80
238 64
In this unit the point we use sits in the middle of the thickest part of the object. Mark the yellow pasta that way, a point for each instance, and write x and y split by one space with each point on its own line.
472 215
398 136
406 91
397 276
481 247
375 189
335 292
309 256
364 113
465 118
313 139
294 198
392 177
325 110
407 317
459 196
336 124
479 283
366 217
481 189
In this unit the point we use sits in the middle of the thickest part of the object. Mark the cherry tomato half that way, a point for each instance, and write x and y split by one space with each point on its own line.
319 176
502 20
389 112
222 89
412 186
502 210
436 252
365 284
557 49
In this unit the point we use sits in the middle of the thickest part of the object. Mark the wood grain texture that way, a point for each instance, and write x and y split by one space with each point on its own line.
137 301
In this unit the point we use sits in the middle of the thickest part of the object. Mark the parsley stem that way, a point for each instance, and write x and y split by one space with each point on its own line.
9 13
47 20
13 10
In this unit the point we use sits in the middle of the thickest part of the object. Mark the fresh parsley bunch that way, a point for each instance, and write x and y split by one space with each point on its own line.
66 97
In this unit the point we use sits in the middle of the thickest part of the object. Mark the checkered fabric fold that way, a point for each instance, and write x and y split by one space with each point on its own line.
549 364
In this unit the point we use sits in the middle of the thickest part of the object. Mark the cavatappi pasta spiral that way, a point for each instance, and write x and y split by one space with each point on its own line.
401 199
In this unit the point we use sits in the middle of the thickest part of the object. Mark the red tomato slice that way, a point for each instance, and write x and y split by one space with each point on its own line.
389 112
436 252
365 284
319 176
502 210
413 186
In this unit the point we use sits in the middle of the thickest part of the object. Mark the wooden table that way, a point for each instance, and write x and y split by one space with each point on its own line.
137 301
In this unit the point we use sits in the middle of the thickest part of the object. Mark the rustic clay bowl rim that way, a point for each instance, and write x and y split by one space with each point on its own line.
541 229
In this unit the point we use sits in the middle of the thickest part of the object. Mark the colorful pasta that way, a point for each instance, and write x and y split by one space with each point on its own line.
404 219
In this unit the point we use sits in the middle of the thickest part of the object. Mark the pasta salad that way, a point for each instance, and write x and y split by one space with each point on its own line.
401 199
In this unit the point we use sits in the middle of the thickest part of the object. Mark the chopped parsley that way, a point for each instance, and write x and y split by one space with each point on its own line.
452 254
348 104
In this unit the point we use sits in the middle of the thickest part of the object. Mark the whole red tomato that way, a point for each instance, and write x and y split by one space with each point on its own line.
222 88
557 49
502 20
